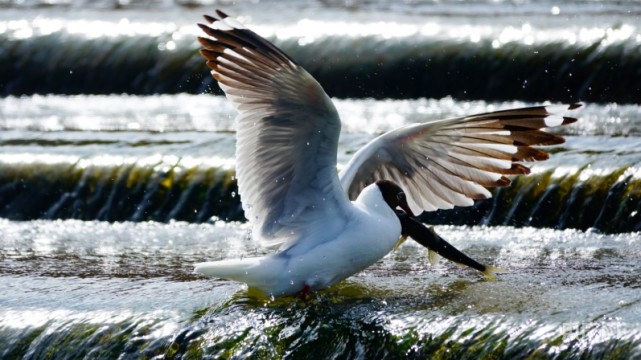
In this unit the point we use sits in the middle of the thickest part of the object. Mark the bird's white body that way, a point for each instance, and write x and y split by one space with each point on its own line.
370 232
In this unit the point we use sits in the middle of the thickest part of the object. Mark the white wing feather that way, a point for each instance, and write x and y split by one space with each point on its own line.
287 135
447 163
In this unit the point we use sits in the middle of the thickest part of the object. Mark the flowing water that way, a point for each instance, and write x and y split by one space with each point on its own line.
117 175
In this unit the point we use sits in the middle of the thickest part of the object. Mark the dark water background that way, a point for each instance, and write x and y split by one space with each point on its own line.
116 175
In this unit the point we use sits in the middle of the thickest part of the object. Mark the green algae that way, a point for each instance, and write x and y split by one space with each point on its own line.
607 202
117 193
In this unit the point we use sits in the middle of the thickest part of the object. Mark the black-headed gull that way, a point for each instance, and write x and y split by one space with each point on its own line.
292 193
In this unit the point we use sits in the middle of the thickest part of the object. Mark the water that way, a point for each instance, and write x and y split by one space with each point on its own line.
116 175
132 294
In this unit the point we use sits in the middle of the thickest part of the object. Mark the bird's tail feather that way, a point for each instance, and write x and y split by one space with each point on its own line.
233 269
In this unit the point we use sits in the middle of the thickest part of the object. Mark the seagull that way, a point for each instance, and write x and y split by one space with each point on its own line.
329 225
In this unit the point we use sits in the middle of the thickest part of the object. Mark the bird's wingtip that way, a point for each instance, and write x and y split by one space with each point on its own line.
221 14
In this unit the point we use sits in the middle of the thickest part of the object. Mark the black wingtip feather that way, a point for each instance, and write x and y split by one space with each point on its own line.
210 19
209 31
221 14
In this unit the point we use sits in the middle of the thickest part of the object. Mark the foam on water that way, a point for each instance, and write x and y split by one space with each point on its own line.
539 28
204 112
161 113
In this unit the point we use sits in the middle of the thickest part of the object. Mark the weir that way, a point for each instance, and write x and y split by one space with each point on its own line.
608 203
582 199
353 67
117 193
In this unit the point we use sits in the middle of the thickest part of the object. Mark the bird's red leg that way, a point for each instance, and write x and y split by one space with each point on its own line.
303 293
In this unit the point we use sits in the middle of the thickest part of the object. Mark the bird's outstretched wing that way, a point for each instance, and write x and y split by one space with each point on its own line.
287 135
447 163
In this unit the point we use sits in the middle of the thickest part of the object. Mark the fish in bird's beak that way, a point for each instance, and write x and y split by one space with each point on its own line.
427 237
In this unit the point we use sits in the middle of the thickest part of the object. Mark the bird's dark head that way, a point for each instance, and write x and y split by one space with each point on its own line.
394 196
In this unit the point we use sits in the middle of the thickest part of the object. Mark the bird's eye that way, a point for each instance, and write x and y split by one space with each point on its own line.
400 197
